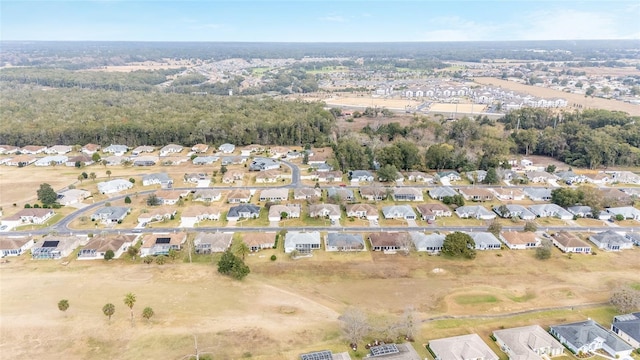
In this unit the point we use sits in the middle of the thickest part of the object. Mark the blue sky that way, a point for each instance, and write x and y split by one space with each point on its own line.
319 21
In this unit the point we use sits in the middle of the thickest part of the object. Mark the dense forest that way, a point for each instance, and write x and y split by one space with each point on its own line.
79 116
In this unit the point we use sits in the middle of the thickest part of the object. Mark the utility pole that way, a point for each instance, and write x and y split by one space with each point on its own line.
195 339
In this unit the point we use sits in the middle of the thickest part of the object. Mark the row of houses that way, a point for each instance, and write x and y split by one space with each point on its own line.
532 342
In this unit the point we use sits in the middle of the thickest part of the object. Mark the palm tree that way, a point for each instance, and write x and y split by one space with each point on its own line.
147 313
241 249
109 309
109 173
130 300
63 305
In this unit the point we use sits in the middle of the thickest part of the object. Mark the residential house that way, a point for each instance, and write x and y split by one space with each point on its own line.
274 194
21 160
271 176
320 167
539 176
330 211
511 211
475 212
538 194
431 243
441 192
528 343
404 212
227 148
570 243
81 160
51 160
200 179
344 242
161 244
477 176
200 148
611 241
448 176
360 176
143 149
233 160
340 194
171 149
157 214
306 193
8 149
257 241
476 194
72 196
389 241
430 212
207 243
588 336
624 177
116 150
485 240
54 247
251 149
505 194
98 246
110 214
28 217
161 179
580 211
33 149
204 160
616 197
570 177
303 242
323 176
407 194
145 161
15 245
115 160
550 210
421 177
197 213
237 196
171 197
292 210
599 178
464 347
634 237
362 211
58 149
243 211
174 160
264 164
629 212
516 240
279 151
91 149
207 195
627 327
232 176
373 193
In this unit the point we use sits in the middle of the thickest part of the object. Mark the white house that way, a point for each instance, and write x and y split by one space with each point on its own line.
303 242
15 245
114 186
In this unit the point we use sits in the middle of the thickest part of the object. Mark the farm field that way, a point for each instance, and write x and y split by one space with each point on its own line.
287 307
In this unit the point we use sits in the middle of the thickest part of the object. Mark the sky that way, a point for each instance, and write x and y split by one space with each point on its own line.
319 21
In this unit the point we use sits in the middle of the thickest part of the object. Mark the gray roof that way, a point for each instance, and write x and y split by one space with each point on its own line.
517 210
360 174
538 193
549 210
629 324
235 211
162 177
610 237
422 241
205 159
346 240
525 342
473 210
340 192
581 333
112 212
484 239
442 191
297 237
579 209
393 210
262 163
462 347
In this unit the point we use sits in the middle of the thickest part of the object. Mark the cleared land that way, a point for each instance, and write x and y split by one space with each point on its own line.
573 99
287 307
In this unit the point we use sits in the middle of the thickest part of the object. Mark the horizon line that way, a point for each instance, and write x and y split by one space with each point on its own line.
324 42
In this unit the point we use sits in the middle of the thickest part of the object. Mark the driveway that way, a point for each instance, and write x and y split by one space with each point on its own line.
374 223
411 222
187 223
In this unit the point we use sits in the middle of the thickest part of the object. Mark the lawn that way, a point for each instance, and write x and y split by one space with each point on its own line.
475 299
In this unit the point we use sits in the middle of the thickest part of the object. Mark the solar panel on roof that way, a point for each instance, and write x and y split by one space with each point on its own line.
50 243
318 355
384 349
163 240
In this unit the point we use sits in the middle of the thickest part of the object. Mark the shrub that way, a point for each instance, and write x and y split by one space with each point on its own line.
273 257
160 260
148 260
36 206
109 255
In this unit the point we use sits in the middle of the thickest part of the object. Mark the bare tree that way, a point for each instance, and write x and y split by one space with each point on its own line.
410 322
355 325
625 300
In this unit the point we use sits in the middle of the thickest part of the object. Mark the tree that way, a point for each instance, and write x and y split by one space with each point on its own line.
565 197
46 194
543 252
241 249
233 266
63 305
459 244
495 227
355 325
133 252
161 260
153 200
129 301
80 178
491 177
550 168
387 173
108 310
109 174
95 157
127 200
147 313
530 226
410 322
625 300
92 176
223 169
109 254
132 180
